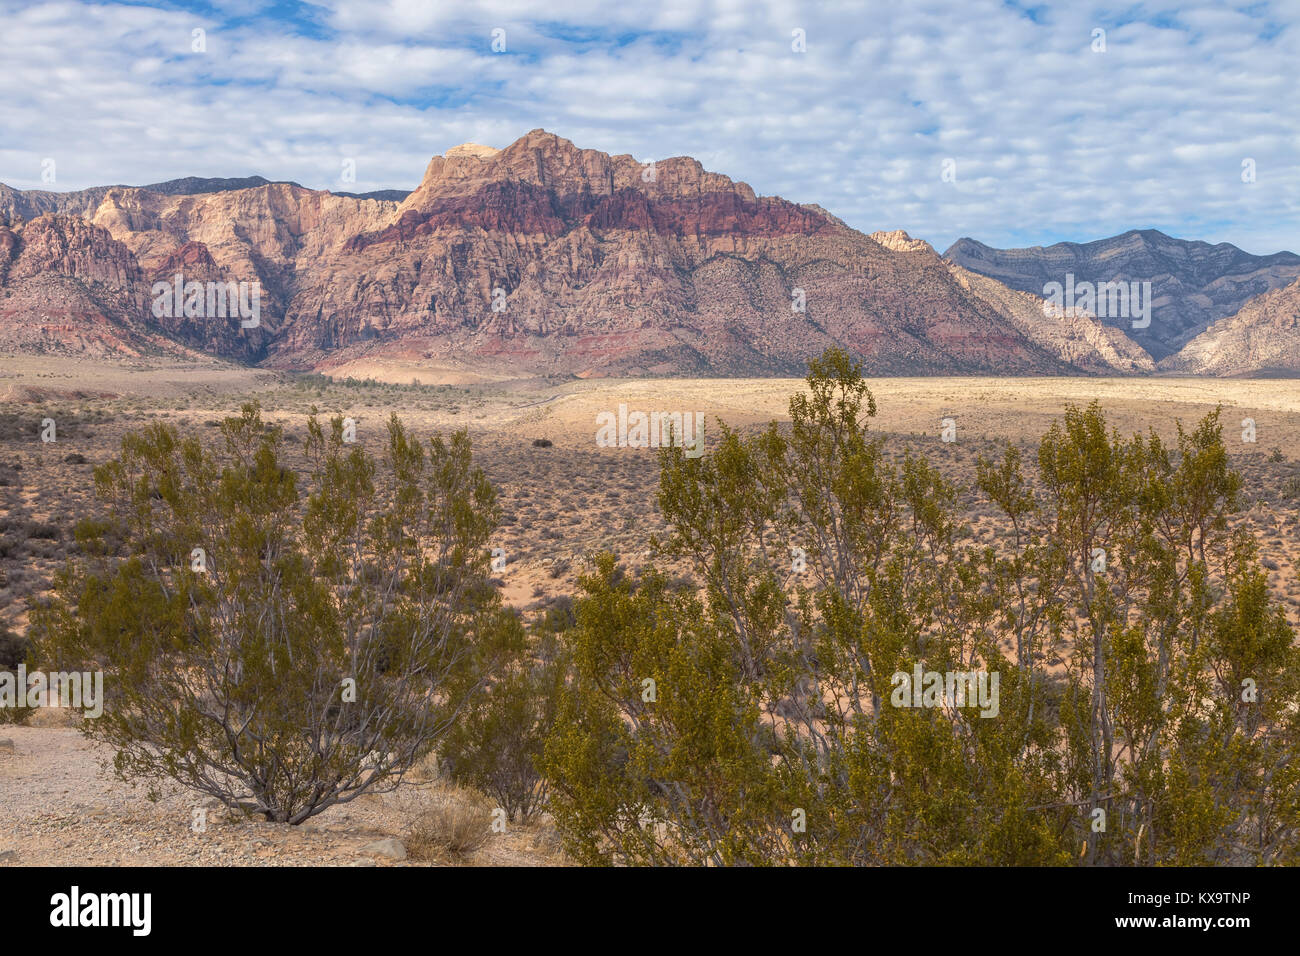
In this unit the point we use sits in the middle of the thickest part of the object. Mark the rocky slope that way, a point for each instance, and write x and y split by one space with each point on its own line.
1262 339
1192 283
67 286
1082 340
543 258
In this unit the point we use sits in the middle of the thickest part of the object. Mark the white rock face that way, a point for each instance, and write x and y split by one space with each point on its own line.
899 241
472 149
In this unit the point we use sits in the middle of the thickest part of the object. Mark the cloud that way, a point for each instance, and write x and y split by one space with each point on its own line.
1050 139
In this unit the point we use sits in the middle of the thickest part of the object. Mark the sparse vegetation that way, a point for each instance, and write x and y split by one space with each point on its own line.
497 744
14 650
563 506
456 821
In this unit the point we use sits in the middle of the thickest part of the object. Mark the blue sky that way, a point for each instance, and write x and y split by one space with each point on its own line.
1046 136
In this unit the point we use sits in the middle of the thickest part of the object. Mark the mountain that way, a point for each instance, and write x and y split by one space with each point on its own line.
1078 339
28 204
127 239
1262 339
543 258
598 266
67 286
19 205
1192 283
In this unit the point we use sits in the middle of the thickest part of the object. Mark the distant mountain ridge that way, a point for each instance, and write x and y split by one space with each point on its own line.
28 204
198 185
543 258
1193 283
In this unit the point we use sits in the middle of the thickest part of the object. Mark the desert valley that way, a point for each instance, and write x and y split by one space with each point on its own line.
521 294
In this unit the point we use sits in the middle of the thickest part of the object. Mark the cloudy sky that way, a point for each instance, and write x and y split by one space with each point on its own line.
1047 128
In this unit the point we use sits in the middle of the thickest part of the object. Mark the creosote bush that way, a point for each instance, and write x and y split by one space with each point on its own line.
496 745
1147 706
281 643
14 651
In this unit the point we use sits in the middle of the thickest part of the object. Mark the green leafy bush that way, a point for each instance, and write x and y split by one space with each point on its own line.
282 644
1148 706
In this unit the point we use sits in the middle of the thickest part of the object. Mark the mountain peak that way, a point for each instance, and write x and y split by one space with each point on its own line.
900 241
1150 235
200 185
542 160
540 135
476 150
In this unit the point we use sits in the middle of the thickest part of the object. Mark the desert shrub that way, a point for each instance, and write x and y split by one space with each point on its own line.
755 715
310 380
99 536
496 745
457 820
280 643
557 618
14 650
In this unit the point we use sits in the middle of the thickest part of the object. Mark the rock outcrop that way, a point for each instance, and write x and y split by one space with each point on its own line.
67 286
1262 339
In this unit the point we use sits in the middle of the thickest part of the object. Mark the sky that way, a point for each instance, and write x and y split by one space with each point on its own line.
1011 122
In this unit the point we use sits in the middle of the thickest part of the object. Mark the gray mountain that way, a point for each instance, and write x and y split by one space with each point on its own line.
1193 284
387 195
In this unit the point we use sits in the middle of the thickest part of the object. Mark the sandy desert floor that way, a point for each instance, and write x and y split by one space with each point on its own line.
561 505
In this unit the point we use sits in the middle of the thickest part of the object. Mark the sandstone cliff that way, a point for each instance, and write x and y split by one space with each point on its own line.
541 259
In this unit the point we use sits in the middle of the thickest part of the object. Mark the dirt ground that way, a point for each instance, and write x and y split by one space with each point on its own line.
60 805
